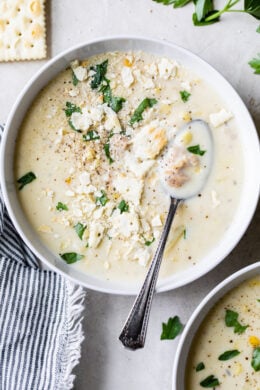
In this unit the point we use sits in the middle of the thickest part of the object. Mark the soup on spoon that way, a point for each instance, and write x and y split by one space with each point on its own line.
183 172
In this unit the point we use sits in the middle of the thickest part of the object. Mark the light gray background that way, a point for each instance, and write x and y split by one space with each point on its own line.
228 46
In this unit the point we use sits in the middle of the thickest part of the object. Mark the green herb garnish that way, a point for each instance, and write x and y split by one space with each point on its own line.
209 382
91 135
228 355
102 200
231 321
107 152
73 127
175 3
71 257
75 81
26 179
258 29
252 7
200 367
171 329
184 234
255 362
255 64
206 14
184 96
137 116
195 149
61 206
79 229
147 242
123 207
70 108
115 102
100 72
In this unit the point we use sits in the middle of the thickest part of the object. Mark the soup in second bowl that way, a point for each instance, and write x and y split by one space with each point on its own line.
225 354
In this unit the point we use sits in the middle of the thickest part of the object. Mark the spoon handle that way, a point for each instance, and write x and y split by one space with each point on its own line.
134 332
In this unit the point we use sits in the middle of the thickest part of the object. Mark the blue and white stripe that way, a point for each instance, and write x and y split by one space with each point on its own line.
40 324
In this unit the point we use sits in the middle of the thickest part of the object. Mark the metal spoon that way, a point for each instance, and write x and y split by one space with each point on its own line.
134 331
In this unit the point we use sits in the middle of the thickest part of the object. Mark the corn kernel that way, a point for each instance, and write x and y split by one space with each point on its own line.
254 341
127 63
186 116
238 368
165 109
116 195
187 138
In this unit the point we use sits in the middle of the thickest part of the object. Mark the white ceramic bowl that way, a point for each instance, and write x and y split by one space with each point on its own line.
248 137
191 328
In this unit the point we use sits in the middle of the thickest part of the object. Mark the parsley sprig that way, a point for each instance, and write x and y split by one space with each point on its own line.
171 329
206 14
101 82
255 362
138 113
209 382
255 64
114 102
100 74
71 257
231 320
61 206
26 179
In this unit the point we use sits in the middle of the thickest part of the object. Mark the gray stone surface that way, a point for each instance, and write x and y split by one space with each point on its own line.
228 46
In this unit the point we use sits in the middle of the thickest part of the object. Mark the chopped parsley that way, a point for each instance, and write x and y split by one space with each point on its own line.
171 329
255 362
79 229
61 206
91 135
73 127
184 234
255 63
123 207
231 320
200 366
137 116
147 242
100 81
115 102
195 149
103 199
70 108
100 74
258 29
71 257
210 382
107 152
185 95
26 179
75 81
228 355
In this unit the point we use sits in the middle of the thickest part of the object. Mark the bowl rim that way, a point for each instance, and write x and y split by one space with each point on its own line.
199 314
168 285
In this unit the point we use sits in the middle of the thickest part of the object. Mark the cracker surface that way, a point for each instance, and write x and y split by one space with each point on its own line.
22 30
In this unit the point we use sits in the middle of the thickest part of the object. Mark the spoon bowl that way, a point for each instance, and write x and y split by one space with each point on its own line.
184 169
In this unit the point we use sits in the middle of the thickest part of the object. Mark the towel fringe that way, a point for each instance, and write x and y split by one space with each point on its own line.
72 351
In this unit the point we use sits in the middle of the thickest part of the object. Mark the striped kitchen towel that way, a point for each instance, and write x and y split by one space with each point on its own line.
40 319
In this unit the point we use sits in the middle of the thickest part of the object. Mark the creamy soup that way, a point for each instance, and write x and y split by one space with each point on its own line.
226 351
87 160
